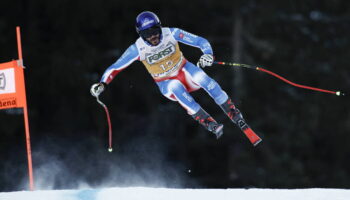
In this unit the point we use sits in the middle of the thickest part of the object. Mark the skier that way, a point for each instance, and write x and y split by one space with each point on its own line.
158 49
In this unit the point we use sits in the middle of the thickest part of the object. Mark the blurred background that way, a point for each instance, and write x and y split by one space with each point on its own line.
67 45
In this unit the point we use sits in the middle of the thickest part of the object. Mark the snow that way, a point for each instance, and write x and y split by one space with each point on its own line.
144 193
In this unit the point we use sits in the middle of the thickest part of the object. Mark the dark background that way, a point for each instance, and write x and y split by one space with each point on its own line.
67 45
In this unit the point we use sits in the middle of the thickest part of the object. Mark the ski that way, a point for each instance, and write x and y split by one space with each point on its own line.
251 135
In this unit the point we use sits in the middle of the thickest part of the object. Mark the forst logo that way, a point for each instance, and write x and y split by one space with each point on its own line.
2 81
160 55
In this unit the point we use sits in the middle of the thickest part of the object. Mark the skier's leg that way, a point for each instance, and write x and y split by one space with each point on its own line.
174 90
198 76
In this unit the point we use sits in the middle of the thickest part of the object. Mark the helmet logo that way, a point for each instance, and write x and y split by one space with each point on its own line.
147 21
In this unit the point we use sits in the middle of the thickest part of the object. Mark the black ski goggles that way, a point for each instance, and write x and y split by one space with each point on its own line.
147 33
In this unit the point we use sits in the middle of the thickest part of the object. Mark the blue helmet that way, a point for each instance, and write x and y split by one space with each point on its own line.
147 23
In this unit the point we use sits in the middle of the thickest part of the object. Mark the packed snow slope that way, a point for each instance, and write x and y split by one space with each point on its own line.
143 193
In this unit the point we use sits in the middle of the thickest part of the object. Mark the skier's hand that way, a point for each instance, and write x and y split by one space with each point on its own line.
205 60
96 89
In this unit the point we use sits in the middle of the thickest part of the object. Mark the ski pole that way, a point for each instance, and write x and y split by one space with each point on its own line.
338 93
110 149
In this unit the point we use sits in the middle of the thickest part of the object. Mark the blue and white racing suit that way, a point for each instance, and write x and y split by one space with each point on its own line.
174 75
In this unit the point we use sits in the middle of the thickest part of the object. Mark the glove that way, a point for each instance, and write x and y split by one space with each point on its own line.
205 60
97 89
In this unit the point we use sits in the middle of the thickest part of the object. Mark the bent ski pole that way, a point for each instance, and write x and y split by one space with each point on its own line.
338 93
110 149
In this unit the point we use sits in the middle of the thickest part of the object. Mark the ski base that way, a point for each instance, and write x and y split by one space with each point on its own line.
251 135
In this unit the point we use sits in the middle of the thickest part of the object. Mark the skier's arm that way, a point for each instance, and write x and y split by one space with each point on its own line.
192 40
129 56
185 37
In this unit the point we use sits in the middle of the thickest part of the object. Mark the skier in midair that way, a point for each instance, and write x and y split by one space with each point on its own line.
158 49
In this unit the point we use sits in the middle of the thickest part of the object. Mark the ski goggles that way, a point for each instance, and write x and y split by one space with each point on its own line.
147 33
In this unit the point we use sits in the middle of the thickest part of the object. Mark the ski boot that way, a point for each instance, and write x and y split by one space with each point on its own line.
233 113
209 123
236 117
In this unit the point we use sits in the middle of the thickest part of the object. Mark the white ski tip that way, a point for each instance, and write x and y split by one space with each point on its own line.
257 142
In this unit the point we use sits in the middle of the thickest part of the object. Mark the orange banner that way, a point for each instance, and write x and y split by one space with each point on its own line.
12 89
